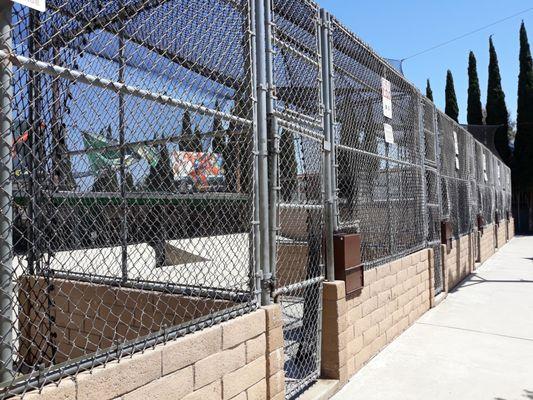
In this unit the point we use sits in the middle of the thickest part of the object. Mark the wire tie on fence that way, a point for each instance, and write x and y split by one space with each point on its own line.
9 55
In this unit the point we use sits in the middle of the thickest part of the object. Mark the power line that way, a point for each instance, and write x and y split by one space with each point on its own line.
466 34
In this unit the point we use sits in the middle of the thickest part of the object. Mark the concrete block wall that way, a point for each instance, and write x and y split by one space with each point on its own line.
501 233
511 228
486 243
357 327
458 262
88 316
238 359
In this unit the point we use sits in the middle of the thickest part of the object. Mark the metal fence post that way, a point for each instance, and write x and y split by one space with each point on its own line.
423 177
6 240
274 141
331 93
262 147
328 143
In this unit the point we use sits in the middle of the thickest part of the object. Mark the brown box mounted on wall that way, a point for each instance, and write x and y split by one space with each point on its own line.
446 233
348 266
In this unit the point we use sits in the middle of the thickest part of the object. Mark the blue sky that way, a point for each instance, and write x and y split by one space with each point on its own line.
397 29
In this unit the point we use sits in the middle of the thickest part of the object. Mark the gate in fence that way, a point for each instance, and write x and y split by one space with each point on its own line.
297 181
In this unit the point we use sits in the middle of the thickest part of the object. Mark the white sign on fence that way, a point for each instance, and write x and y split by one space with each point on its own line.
389 135
387 97
39 5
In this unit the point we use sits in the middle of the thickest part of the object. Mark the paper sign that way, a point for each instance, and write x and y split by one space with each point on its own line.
387 97
39 5
389 135
455 144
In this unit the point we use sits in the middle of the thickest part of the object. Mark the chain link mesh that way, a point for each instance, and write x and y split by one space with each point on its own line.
132 177
135 175
380 184
300 208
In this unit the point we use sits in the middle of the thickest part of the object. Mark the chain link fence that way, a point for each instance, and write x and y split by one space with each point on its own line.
296 154
132 179
380 182
167 165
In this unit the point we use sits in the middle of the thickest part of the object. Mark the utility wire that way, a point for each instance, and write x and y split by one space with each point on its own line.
466 34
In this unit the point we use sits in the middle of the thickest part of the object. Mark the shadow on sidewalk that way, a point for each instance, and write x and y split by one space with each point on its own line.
528 394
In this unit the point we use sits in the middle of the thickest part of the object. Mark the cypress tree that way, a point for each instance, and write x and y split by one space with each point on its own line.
429 92
523 145
236 155
196 142
161 178
474 111
451 109
186 131
218 142
497 113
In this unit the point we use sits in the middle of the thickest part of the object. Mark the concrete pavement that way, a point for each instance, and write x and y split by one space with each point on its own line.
477 344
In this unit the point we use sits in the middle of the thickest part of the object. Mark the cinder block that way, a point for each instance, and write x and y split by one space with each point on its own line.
334 309
385 324
191 348
364 324
274 317
274 339
333 290
369 305
363 356
212 391
217 365
421 267
276 385
176 385
275 361
355 345
65 390
370 276
118 378
396 266
378 315
350 367
370 335
255 348
391 281
379 343
402 275
243 328
238 381
258 391
384 297
392 333
383 271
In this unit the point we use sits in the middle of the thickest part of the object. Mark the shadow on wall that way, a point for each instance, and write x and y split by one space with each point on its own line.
528 394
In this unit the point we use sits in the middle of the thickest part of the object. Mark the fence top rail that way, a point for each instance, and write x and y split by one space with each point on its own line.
117 87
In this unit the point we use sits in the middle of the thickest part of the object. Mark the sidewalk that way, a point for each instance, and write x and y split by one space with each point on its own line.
477 344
